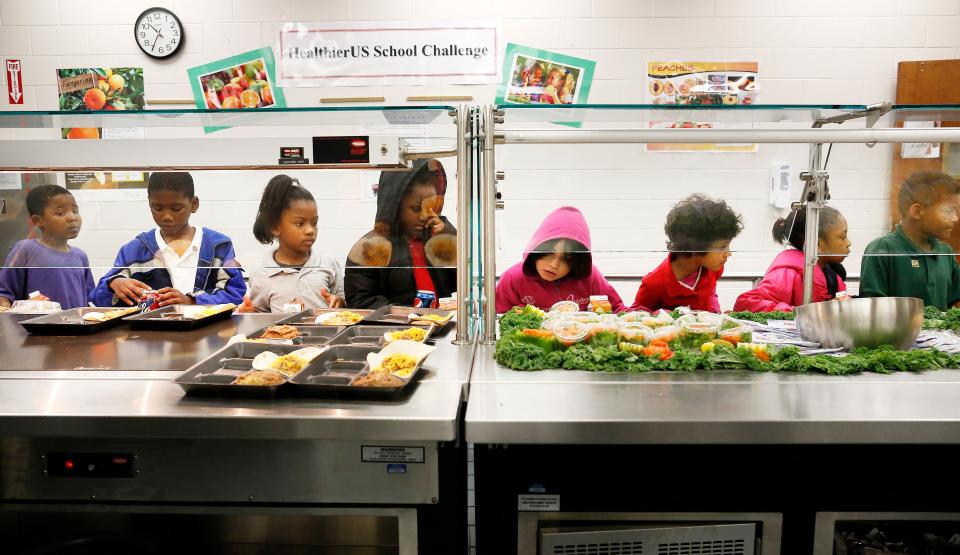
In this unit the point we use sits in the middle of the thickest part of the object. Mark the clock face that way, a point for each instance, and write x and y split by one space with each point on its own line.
158 32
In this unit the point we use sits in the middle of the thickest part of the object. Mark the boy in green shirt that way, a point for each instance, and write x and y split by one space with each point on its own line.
919 264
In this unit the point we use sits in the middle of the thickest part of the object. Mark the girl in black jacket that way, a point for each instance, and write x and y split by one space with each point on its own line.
412 247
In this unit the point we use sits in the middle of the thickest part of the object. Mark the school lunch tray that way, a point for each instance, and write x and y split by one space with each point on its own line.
214 375
316 336
70 322
308 317
373 335
395 315
332 372
167 319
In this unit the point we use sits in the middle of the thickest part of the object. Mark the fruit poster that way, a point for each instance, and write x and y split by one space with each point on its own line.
701 84
243 82
107 89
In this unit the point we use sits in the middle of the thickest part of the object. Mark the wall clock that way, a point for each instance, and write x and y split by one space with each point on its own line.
158 33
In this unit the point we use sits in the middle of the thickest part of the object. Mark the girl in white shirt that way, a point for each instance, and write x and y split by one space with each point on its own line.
297 273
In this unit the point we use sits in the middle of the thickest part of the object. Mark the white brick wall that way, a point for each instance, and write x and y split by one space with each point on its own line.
810 51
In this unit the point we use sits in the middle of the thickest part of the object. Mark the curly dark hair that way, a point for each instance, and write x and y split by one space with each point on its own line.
697 222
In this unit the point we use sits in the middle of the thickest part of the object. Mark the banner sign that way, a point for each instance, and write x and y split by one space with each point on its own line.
355 53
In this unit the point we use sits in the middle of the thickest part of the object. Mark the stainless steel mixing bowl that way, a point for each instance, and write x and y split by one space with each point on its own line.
866 322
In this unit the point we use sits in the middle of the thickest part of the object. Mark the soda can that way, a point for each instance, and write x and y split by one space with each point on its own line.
149 300
425 299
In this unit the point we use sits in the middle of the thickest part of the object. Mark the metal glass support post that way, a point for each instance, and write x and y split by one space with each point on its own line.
464 233
814 194
488 206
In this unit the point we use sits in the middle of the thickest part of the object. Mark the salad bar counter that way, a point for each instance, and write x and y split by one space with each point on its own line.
708 433
94 431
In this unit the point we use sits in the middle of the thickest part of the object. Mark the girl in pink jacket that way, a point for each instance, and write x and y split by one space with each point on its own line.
781 288
556 266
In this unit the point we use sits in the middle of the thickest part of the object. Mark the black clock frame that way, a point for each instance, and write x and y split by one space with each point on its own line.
183 33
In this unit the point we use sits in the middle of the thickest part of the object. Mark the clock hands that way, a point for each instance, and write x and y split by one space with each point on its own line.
159 36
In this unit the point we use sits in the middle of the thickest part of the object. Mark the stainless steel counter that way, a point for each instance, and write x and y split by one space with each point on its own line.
720 407
117 384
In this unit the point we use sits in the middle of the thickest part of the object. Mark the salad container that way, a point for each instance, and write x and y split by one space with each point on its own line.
666 333
634 333
565 307
538 337
604 334
696 330
570 333
737 335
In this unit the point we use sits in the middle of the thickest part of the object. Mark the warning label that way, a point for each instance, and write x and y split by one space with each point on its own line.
538 503
390 454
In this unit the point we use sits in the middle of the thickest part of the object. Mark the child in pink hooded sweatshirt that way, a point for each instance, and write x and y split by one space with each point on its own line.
781 288
557 266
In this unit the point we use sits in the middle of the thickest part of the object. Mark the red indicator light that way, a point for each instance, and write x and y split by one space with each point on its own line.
120 460
68 464
357 143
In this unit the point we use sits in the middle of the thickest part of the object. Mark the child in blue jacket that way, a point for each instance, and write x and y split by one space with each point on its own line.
184 264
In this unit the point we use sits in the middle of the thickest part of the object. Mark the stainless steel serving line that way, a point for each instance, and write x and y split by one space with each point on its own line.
583 458
107 397
719 407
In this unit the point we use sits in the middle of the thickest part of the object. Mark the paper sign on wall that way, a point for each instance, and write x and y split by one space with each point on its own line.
920 150
701 84
356 53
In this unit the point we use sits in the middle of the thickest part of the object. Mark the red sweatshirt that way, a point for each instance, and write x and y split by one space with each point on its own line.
660 289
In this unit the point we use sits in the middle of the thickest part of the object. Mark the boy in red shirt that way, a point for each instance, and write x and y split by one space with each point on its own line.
699 232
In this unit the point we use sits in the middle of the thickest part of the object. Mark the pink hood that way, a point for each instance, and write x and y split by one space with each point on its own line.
565 222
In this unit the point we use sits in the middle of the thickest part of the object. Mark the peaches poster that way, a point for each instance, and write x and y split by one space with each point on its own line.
701 85
243 82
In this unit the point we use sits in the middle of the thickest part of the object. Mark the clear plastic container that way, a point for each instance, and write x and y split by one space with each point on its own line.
635 316
737 335
565 306
666 333
694 332
551 320
584 317
634 333
570 333
604 334
658 320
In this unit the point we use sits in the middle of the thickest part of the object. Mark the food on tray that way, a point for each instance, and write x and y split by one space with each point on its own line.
280 332
541 338
398 364
438 319
342 318
569 332
600 304
288 364
108 315
441 249
412 334
260 377
565 306
378 379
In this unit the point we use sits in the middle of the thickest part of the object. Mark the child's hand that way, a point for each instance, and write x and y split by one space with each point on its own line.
333 301
128 290
169 296
246 307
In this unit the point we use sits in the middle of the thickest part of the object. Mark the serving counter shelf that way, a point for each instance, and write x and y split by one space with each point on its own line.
112 394
715 446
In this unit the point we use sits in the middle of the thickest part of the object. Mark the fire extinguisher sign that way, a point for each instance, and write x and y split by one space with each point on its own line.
14 82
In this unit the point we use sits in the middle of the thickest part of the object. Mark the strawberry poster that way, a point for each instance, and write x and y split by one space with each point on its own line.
243 82
701 84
